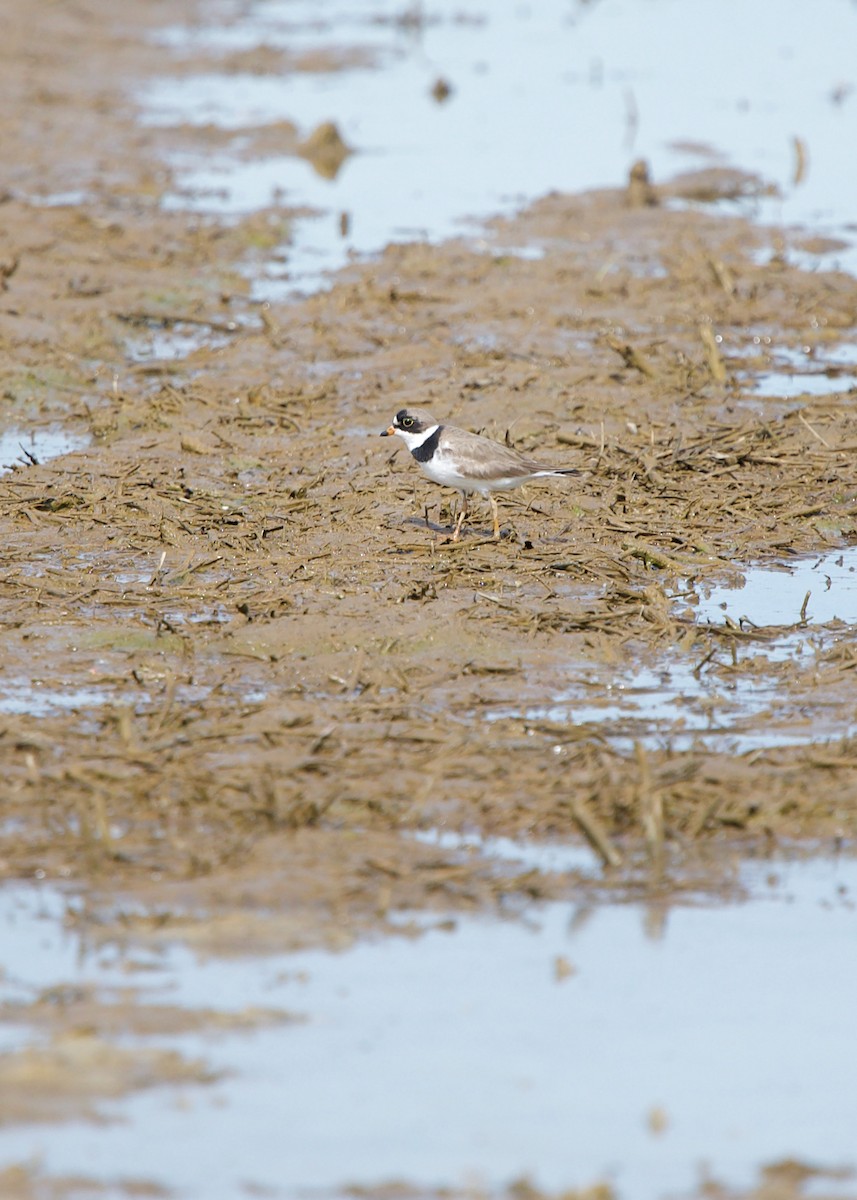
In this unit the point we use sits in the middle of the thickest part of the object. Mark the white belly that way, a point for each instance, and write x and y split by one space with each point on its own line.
442 471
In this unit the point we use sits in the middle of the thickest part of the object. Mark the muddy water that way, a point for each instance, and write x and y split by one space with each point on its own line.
544 96
638 1045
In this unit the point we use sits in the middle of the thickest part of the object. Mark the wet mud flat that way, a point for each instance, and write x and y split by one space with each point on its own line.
240 617
249 682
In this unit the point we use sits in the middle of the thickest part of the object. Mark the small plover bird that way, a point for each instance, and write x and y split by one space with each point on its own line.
459 459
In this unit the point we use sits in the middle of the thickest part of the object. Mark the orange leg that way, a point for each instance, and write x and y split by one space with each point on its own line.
496 517
461 517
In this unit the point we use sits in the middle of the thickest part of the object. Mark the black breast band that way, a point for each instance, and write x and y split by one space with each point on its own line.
424 452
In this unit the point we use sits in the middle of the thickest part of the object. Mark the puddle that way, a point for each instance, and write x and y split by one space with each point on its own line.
20 447
69 199
533 252
773 594
26 696
809 373
840 356
601 78
485 1050
787 386
177 342
524 855
683 702
673 705
807 357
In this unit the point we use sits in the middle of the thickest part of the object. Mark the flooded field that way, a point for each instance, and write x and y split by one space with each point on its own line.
453 113
567 1048
340 858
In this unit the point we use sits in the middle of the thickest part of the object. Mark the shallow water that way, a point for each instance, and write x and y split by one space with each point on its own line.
682 703
19 447
787 386
177 342
486 1049
32 697
671 705
545 96
540 856
774 593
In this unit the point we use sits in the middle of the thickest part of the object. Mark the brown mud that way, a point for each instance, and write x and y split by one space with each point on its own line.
296 669
787 1179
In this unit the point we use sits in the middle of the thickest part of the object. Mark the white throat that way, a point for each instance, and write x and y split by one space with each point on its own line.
414 440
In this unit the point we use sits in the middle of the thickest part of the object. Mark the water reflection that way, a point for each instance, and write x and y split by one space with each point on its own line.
489 1049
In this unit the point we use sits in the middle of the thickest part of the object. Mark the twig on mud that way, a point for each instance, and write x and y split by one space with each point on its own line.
7 270
632 357
166 319
651 807
488 598
703 816
649 555
158 569
604 621
722 275
814 432
471 543
805 510
712 354
595 834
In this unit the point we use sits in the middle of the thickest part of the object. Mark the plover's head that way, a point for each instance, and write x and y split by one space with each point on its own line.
412 424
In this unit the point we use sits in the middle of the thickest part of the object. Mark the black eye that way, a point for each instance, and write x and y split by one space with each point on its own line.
407 422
